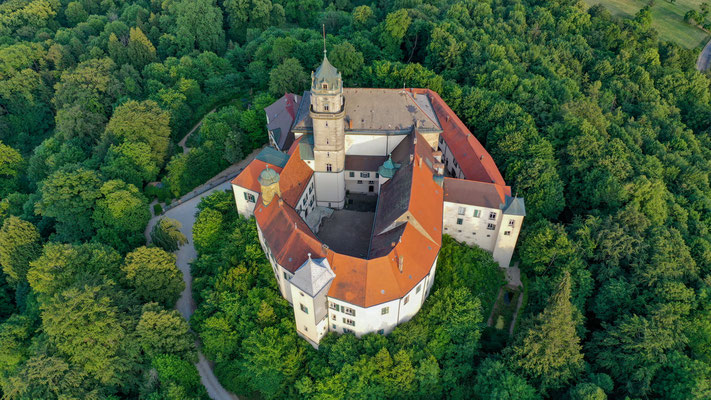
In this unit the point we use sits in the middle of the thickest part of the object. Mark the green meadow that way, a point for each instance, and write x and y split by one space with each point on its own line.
667 18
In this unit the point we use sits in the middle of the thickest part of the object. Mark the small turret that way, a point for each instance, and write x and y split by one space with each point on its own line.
269 182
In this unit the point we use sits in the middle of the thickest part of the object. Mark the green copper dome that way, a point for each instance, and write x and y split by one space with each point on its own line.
268 177
387 170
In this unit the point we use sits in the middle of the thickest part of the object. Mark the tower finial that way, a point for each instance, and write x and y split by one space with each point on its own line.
323 27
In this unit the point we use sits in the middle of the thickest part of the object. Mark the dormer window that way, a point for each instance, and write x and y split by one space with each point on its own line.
324 86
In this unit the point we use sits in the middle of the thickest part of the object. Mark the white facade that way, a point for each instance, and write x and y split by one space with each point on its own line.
450 163
307 200
245 200
366 182
344 317
372 145
489 228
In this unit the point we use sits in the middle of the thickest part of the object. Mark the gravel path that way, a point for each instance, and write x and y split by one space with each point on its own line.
704 60
184 212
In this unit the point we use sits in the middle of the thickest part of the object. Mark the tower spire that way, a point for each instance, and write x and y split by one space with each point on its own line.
323 27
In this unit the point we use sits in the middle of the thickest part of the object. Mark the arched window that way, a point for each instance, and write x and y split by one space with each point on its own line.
324 85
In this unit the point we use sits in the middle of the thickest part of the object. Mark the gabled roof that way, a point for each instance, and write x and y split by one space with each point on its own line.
472 157
313 276
366 283
369 110
294 178
482 194
281 116
249 177
273 156
363 163
286 234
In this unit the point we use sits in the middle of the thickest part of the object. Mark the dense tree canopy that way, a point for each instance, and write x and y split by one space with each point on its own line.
601 127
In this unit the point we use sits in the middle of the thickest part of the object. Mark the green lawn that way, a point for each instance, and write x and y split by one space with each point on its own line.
667 18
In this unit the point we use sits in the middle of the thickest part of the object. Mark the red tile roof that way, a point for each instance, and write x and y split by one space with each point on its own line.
294 178
471 156
483 194
410 228
248 177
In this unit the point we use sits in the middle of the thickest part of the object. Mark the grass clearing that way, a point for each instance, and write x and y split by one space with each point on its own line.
667 19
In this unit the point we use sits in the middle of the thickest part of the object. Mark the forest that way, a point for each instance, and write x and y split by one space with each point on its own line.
600 125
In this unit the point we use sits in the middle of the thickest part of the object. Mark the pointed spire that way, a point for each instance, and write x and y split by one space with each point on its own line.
323 26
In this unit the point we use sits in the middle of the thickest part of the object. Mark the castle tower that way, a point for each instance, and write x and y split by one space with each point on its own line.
327 113
269 183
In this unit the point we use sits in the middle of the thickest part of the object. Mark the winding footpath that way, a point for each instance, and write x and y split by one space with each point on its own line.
184 212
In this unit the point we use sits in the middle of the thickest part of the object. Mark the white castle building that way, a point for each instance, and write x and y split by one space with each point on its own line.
352 201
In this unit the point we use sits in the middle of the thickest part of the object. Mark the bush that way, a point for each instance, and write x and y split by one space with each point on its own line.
160 193
157 209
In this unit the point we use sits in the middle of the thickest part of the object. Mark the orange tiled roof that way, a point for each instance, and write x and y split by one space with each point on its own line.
294 178
410 227
248 177
286 234
466 148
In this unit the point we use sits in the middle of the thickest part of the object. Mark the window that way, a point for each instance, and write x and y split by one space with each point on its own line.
492 215
377 175
304 202
329 168
371 182
302 294
324 86
381 331
511 223
365 174
306 329
325 108
333 317
419 288
351 174
507 233
346 330
311 202
249 197
459 221
461 211
491 227
286 276
477 213
359 182
348 321
333 306
349 311
407 299
384 310
333 326
311 189
304 308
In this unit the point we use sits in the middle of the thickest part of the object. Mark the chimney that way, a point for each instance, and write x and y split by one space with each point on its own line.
481 157
415 141
412 157
437 156
400 263
419 162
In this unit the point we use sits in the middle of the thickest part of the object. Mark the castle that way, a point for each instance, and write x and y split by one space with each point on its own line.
352 199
